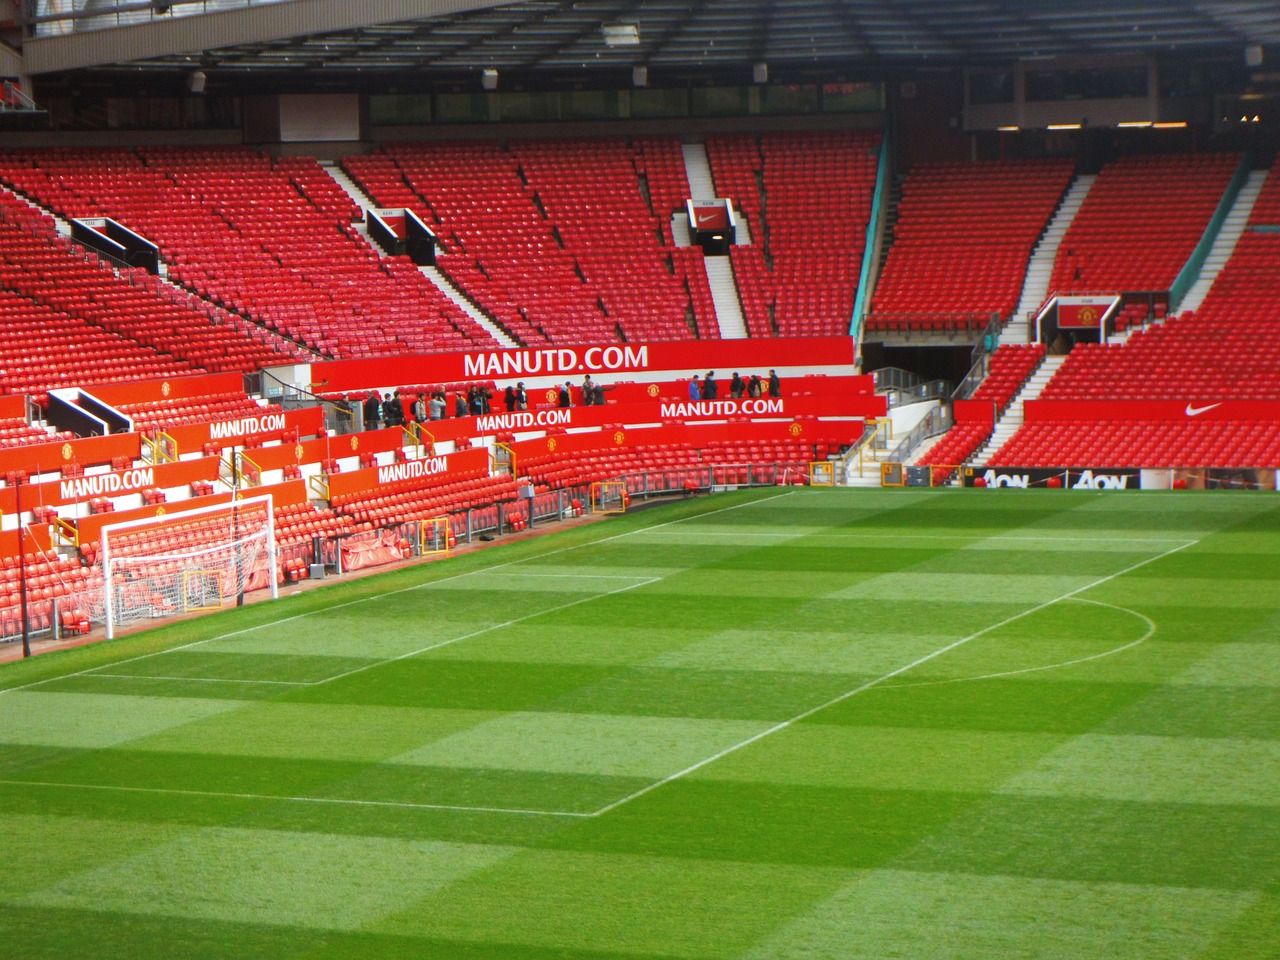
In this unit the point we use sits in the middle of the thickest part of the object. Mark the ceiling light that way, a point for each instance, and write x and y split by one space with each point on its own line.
489 78
621 34
1170 125
1012 128
1064 126
1133 124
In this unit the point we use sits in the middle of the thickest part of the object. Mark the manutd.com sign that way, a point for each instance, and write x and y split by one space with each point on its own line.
509 363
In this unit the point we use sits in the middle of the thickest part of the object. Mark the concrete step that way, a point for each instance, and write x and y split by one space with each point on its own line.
449 290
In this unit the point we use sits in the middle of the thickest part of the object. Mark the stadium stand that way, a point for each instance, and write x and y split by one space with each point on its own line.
963 236
1143 443
806 198
1140 223
261 238
561 241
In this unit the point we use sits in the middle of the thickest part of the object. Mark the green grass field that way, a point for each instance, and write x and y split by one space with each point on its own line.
773 726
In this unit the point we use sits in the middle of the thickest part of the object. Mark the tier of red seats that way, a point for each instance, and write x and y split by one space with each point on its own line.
1143 443
1009 369
19 433
1183 358
425 498
49 577
1140 223
955 448
172 413
555 239
963 236
806 199
264 238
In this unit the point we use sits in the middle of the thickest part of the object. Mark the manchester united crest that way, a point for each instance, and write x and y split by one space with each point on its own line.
551 444
298 452
165 389
653 390
619 437
67 451
355 442
796 429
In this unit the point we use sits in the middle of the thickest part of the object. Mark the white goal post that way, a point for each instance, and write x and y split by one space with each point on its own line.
195 560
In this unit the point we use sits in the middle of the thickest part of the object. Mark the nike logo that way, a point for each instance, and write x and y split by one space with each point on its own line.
704 217
1194 411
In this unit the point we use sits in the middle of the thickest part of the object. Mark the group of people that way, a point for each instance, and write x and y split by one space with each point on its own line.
753 386
592 393
389 409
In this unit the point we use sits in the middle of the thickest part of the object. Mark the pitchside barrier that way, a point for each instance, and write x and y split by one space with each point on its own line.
1123 478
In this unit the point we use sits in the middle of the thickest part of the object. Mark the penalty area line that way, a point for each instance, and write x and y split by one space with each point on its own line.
877 681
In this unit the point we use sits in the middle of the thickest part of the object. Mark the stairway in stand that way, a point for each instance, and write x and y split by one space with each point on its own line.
1011 420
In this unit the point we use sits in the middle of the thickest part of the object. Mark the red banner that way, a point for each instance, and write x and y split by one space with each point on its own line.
1083 312
974 411
13 407
1091 410
116 483
747 356
85 451
362 481
173 388
267 426
764 408
327 448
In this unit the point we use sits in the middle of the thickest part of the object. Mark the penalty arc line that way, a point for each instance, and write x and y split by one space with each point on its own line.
1151 632
785 724
380 596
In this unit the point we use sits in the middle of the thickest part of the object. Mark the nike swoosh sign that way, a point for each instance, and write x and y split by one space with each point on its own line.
704 217
1194 411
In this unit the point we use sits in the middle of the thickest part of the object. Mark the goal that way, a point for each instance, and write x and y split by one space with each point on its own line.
609 496
197 560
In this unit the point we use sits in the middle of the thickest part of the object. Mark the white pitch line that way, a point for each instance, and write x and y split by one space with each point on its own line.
389 593
484 630
155 676
783 725
173 791
1151 631
977 540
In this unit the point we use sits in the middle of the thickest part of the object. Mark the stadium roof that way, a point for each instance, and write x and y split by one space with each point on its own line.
558 37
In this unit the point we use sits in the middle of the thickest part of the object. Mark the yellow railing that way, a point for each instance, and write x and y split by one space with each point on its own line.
319 486
160 449
66 531
511 453
251 477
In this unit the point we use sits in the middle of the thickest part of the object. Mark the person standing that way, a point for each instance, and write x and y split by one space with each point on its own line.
509 398
754 386
393 409
709 386
588 391
564 399
737 387
435 406
695 389
775 385
460 408
522 398
372 410
420 408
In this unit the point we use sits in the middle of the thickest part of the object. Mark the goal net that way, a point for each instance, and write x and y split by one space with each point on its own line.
609 496
197 560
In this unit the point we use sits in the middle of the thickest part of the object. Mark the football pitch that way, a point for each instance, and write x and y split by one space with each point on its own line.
775 725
